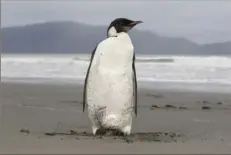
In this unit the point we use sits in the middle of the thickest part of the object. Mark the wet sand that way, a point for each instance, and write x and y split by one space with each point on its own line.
48 118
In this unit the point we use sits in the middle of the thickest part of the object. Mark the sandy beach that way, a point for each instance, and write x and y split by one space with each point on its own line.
48 118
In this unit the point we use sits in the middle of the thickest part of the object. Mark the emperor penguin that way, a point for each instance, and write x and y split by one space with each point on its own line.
110 86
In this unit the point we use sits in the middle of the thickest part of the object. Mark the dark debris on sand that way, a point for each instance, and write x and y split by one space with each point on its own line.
154 106
170 106
206 108
183 108
167 106
219 103
50 134
25 131
207 102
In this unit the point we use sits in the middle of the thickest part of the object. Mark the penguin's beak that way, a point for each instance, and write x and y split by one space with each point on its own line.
135 23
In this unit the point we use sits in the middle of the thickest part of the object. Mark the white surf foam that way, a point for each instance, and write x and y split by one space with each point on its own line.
175 69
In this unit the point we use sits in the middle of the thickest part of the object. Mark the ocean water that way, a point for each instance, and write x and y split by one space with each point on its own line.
150 68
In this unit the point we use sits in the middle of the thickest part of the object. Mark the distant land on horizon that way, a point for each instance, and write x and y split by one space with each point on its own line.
71 37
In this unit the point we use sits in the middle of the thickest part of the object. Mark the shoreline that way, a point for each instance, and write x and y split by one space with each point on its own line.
210 87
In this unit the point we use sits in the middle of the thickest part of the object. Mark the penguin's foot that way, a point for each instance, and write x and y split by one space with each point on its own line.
94 130
127 130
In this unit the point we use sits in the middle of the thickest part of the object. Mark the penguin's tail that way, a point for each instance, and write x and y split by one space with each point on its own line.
111 121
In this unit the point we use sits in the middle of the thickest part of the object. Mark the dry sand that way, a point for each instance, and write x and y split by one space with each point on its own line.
48 118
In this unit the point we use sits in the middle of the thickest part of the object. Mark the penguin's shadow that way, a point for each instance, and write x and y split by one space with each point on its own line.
112 134
109 132
99 132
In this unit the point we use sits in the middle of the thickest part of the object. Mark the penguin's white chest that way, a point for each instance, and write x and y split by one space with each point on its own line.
110 83
115 53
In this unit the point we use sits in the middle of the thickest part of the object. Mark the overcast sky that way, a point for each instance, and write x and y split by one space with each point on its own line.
200 21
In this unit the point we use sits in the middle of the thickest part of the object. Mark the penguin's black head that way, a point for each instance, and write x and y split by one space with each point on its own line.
121 25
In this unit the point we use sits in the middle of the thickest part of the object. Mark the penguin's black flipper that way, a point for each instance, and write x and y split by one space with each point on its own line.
86 79
134 83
